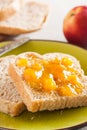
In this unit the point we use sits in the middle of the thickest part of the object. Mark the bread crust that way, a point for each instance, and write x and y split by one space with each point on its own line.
38 101
7 30
11 108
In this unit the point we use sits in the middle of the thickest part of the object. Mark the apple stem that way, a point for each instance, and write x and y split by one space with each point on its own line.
72 14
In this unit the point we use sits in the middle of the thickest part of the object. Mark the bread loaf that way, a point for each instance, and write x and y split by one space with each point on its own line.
10 100
9 8
31 17
50 81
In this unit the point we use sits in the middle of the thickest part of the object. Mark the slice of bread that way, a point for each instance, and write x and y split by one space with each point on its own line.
10 100
30 18
43 95
8 8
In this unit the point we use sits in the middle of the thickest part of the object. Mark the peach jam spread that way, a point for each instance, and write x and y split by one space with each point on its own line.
51 75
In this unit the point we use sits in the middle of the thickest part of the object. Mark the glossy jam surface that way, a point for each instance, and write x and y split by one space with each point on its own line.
51 75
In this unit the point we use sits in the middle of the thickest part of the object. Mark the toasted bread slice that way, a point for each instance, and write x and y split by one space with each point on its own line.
9 8
10 100
30 18
50 81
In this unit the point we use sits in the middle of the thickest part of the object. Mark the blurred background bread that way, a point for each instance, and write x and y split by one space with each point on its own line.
30 17
9 8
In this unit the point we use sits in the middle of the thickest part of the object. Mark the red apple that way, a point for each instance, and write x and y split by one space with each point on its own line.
75 26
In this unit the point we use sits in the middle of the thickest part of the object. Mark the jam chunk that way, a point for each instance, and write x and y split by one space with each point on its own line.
51 75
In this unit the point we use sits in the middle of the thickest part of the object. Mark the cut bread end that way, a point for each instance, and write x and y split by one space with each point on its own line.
9 8
30 18
10 100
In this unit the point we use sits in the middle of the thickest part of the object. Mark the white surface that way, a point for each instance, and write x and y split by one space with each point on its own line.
52 29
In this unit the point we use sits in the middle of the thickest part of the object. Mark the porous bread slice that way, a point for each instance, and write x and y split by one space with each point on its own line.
10 100
9 8
30 18
42 100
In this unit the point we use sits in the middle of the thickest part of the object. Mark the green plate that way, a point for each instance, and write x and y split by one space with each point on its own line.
46 120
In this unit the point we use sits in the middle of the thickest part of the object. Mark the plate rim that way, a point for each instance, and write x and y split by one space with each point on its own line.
76 127
79 125
59 41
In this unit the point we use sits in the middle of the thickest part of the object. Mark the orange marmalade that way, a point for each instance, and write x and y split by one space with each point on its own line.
51 75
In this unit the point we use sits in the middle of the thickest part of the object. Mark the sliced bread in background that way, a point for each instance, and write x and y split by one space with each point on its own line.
49 88
30 18
10 100
8 8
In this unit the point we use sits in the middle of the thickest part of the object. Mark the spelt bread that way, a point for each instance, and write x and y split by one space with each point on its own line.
35 97
10 100
8 8
30 18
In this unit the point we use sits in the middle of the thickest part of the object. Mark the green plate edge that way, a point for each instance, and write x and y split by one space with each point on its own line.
48 120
